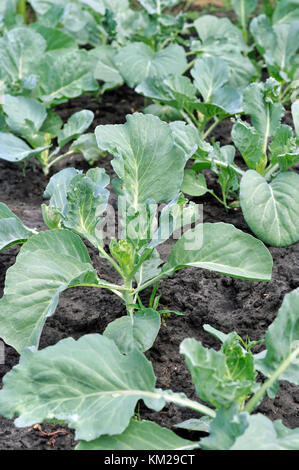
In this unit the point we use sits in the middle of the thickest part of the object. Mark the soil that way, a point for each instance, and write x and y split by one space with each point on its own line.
202 296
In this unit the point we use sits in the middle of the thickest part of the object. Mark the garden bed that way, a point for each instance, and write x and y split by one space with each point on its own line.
202 296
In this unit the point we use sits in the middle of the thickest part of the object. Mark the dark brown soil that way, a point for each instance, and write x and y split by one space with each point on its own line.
202 296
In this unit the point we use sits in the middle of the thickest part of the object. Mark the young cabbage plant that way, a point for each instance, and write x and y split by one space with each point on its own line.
219 37
269 150
44 63
69 382
210 81
28 129
149 160
276 39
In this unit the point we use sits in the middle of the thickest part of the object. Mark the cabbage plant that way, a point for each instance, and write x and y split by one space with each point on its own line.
28 130
269 149
149 161
94 388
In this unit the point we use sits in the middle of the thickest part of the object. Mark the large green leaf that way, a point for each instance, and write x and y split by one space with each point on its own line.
210 74
243 8
140 435
222 248
25 116
271 209
194 183
282 339
264 434
47 265
157 6
77 124
14 149
220 377
105 69
12 230
249 142
87 145
137 61
138 332
56 39
265 115
286 11
225 428
87 383
80 200
65 74
147 161
57 188
176 90
86 201
20 49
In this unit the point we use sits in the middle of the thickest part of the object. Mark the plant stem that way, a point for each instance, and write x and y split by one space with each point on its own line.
271 170
180 401
188 119
57 159
159 7
211 128
21 9
110 260
255 400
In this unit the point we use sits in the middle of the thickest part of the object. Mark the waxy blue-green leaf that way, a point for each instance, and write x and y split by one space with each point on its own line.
243 8
25 116
262 433
57 188
140 435
47 264
249 142
147 161
228 425
137 61
80 200
222 248
64 74
286 11
105 69
271 209
13 149
56 39
193 424
220 377
282 341
210 26
42 6
157 6
220 38
194 183
12 230
77 124
278 44
86 201
149 268
138 332
176 90
87 145
87 383
20 49
265 115
210 74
